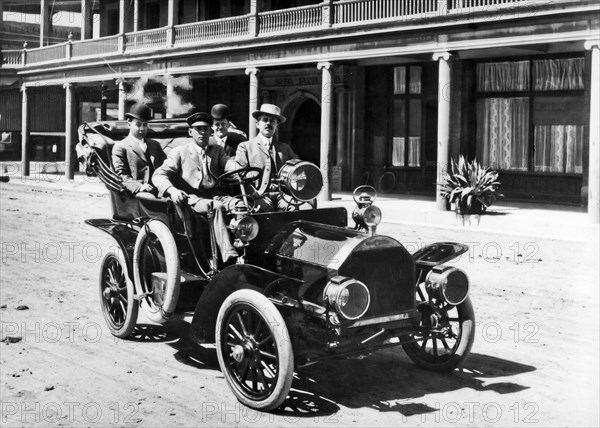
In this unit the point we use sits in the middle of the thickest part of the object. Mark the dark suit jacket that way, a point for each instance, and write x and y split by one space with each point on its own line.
130 162
183 170
254 153
231 143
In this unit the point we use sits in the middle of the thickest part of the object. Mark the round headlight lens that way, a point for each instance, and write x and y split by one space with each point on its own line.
246 229
349 297
298 181
372 216
448 283
302 180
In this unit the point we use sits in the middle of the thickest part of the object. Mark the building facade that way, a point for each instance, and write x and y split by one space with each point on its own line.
368 86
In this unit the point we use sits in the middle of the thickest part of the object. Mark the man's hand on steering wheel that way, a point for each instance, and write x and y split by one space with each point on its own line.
246 175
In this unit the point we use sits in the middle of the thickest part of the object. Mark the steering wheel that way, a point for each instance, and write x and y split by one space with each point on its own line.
240 176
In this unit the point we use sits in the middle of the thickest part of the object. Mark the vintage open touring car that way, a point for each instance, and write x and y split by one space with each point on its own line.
306 286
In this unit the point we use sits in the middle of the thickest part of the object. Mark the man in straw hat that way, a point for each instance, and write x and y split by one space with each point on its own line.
266 152
189 176
135 158
223 132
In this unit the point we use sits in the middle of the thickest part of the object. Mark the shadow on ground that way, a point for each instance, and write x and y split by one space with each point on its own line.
386 377
378 381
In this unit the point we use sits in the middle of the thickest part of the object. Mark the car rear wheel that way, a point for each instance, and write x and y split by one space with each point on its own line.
446 334
156 265
254 350
119 307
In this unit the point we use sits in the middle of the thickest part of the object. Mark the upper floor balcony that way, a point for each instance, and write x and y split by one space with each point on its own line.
349 17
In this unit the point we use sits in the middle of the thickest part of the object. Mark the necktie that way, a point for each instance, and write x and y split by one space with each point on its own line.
207 182
273 156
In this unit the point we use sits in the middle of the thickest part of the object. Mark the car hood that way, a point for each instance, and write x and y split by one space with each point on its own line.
314 253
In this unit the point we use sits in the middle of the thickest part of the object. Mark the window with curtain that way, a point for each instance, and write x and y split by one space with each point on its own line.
407 105
503 126
531 127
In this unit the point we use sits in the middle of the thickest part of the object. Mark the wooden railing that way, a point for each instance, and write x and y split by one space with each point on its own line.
353 11
47 53
12 57
147 39
101 46
226 28
297 18
344 13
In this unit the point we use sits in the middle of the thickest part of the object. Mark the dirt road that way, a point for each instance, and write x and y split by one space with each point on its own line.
534 362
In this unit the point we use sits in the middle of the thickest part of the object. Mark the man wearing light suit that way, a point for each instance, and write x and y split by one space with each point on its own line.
189 174
266 152
136 157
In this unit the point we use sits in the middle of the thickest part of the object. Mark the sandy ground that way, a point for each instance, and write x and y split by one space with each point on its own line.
534 361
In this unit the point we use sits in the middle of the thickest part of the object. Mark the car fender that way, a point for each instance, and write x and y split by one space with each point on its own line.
229 280
123 234
438 253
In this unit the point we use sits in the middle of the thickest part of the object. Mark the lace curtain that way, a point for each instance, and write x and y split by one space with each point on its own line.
503 124
558 148
558 74
503 129
503 76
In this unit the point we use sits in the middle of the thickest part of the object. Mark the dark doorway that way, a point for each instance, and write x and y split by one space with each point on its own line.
306 131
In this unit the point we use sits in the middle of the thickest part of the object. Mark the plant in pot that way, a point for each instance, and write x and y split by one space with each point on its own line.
470 186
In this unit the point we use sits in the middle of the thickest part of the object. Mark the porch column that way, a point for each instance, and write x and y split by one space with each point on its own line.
253 18
170 23
136 15
69 167
326 126
252 72
443 132
87 23
121 16
594 168
170 92
122 96
44 21
24 132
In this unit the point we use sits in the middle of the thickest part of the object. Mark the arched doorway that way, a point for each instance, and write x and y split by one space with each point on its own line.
306 131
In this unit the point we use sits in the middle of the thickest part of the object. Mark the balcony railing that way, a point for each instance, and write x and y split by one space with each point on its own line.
11 57
47 53
93 47
147 39
351 12
226 28
298 18
341 14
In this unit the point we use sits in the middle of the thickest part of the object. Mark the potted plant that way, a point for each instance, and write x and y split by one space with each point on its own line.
470 186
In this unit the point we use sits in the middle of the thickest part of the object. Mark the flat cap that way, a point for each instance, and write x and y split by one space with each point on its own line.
198 119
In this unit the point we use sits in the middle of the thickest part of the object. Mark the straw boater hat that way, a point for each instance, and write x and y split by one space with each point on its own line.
269 110
198 119
140 112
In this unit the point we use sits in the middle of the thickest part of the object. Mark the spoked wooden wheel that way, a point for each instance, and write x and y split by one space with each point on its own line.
119 307
254 350
445 336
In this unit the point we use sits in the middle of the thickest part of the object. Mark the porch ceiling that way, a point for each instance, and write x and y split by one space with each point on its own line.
33 6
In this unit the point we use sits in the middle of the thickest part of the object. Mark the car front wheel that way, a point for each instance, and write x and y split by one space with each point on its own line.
445 337
254 350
